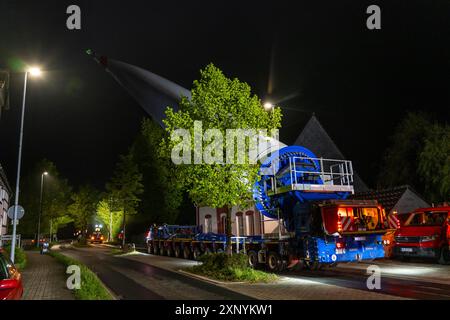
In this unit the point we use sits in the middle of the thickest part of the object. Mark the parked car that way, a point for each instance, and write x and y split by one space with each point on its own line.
425 233
10 279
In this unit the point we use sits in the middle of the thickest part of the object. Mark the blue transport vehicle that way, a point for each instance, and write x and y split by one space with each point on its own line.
308 197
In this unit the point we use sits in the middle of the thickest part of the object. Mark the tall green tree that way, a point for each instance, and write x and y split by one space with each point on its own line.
83 207
55 199
401 157
219 103
434 164
110 216
161 199
125 187
419 156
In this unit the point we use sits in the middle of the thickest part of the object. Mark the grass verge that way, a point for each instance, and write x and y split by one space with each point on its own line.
222 267
91 286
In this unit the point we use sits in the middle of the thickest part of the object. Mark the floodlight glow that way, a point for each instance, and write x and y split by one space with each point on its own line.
268 106
35 71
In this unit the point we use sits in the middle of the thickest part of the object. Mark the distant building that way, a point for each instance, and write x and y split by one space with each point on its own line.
246 222
402 199
5 195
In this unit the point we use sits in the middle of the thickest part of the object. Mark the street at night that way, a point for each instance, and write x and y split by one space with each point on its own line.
143 276
231 158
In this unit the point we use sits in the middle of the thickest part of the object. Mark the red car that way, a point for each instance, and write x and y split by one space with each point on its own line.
425 233
10 279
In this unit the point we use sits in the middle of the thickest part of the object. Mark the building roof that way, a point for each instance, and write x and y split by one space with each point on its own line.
387 197
315 138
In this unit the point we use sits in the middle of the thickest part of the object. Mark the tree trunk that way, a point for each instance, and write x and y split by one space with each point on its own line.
229 231
123 228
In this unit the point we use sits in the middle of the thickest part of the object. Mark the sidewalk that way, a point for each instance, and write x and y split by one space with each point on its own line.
44 279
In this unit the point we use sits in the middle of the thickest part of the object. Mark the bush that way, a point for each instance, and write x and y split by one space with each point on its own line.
20 258
91 286
221 266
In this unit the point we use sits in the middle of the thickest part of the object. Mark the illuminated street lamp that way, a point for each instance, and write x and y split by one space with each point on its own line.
33 71
268 106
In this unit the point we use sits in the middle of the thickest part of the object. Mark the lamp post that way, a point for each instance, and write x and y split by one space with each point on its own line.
34 72
40 208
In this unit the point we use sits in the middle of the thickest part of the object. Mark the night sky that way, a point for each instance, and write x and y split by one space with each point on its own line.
358 82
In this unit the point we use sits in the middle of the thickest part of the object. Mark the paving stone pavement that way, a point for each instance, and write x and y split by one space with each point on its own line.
44 279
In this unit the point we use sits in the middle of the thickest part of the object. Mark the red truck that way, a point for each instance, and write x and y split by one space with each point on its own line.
426 234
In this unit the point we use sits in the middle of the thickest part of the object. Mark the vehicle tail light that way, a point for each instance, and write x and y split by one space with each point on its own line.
92 238
101 238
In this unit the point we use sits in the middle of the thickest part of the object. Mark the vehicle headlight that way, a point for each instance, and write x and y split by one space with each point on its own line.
428 238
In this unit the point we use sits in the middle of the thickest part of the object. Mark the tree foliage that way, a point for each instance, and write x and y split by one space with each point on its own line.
83 207
434 163
55 200
160 199
105 211
419 156
126 184
219 103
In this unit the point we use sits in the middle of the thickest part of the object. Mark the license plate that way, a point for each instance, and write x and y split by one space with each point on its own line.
406 249
360 238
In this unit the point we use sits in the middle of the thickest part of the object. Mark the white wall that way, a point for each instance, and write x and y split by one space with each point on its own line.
269 226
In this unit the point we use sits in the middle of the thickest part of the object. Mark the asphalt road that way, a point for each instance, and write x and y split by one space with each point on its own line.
134 280
396 285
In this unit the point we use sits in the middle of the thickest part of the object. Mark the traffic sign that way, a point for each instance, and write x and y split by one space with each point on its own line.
20 212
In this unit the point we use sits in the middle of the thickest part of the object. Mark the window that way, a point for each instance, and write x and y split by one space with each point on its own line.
208 223
250 223
240 224
428 218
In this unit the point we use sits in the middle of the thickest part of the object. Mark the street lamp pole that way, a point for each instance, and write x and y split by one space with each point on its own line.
19 161
36 72
40 209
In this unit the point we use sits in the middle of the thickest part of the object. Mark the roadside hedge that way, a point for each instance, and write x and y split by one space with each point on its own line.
20 258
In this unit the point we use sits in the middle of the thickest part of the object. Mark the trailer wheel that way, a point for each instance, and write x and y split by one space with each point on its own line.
444 257
169 251
273 261
252 258
196 253
156 250
186 253
177 251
